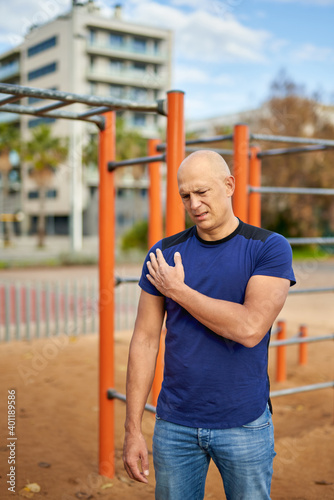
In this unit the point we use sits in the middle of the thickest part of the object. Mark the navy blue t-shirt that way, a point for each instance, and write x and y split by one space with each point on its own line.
210 381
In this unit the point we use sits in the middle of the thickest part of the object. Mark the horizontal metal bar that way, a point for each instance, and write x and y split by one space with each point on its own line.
289 151
112 394
207 140
68 115
303 388
217 150
300 340
94 111
51 107
295 140
119 280
311 290
71 98
291 190
311 241
10 99
112 165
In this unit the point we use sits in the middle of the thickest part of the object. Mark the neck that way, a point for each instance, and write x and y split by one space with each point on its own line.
220 232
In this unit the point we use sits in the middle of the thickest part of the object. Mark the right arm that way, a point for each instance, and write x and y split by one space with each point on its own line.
143 353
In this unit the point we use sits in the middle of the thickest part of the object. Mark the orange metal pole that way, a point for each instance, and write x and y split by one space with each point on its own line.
240 171
155 234
106 295
281 353
155 206
175 216
159 369
303 346
254 211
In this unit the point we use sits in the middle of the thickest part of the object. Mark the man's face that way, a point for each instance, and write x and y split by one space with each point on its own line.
206 194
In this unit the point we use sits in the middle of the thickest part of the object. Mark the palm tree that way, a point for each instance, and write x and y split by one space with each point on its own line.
44 153
9 141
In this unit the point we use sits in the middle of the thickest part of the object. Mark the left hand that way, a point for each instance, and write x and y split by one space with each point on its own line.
167 279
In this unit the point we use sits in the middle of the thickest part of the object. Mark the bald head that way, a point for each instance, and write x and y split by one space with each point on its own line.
208 161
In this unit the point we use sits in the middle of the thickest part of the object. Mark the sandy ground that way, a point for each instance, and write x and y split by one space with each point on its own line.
56 381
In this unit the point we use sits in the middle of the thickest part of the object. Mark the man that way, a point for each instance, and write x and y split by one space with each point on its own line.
222 284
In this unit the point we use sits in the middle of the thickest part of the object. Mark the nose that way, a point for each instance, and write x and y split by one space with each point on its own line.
195 202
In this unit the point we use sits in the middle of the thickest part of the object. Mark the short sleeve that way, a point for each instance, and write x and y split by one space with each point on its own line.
275 259
143 282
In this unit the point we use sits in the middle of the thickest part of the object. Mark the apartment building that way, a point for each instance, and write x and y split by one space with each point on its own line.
85 52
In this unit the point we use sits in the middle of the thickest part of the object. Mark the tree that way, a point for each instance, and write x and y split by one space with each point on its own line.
44 153
290 112
129 144
9 141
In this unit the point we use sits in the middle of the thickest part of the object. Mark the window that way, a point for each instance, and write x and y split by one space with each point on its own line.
138 94
92 88
139 66
156 46
117 91
39 121
92 36
44 70
40 47
51 193
116 40
139 119
33 195
139 44
116 65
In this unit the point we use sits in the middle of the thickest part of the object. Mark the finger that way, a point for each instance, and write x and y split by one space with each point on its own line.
145 465
154 262
178 259
150 269
160 257
134 473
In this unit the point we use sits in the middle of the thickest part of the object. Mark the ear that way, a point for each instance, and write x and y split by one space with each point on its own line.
230 185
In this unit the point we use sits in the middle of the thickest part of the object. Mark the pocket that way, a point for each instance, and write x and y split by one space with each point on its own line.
260 423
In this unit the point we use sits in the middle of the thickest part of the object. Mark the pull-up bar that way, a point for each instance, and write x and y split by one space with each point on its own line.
100 104
112 165
295 140
288 151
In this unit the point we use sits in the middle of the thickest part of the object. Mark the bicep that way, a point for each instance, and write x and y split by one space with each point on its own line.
264 299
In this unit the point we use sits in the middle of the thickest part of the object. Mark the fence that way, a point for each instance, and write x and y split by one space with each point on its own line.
36 310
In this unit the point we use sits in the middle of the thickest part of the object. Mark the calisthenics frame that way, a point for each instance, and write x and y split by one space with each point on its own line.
101 112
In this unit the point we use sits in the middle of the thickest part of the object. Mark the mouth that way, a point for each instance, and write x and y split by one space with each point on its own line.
201 216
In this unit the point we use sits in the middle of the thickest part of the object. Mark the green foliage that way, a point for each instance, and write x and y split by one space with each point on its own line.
9 137
43 150
129 144
136 237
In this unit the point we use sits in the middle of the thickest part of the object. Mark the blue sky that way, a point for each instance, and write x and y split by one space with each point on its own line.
226 53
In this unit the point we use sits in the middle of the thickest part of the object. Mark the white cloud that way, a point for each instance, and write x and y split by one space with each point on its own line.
195 75
203 36
16 19
316 3
312 53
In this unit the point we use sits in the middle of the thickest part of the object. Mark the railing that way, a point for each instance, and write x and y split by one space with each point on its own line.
148 51
36 310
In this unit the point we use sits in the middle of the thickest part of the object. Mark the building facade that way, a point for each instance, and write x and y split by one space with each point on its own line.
85 52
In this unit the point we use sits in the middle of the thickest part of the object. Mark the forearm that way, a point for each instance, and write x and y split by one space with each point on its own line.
230 320
141 368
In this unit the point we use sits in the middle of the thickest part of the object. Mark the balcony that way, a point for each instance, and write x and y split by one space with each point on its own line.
9 70
127 51
127 76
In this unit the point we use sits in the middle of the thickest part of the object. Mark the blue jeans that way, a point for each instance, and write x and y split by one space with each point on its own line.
244 456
